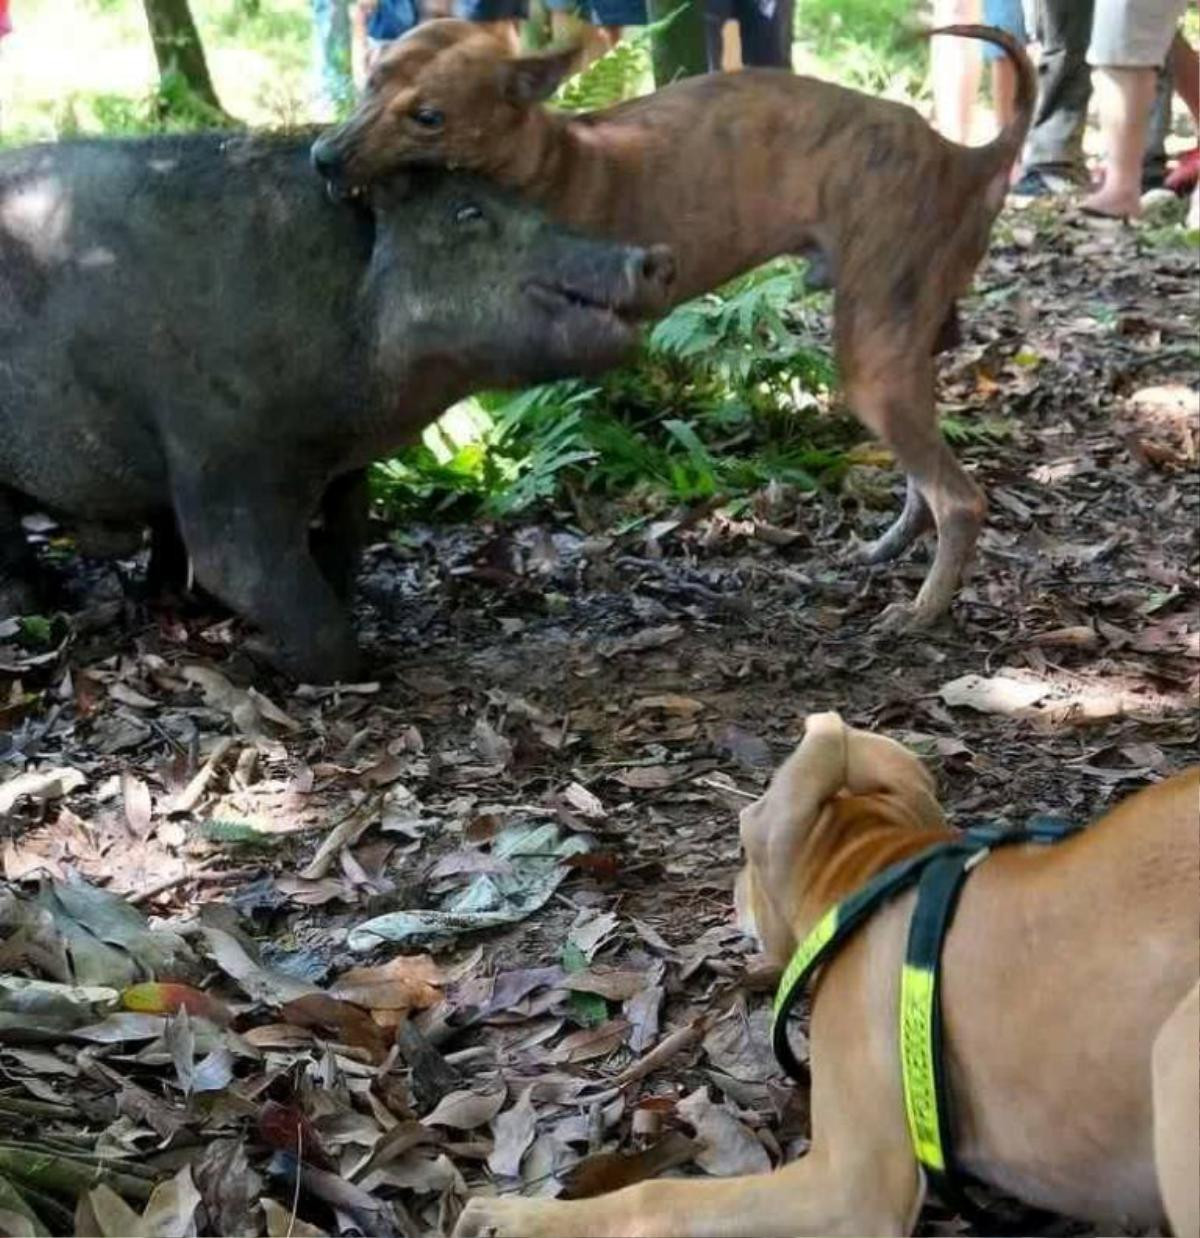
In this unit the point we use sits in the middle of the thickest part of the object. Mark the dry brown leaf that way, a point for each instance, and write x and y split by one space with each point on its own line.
278 1036
43 784
345 834
669 703
642 1012
584 802
468 1109
1001 694
650 777
261 983
610 1171
590 930
281 1222
513 1131
492 746
727 1147
610 982
591 1043
407 982
350 1024
647 638
135 796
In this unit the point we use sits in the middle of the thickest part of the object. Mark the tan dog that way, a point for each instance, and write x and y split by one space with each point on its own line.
1070 1000
730 170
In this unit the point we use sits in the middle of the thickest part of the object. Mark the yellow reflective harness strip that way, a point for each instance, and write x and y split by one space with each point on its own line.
917 1066
809 949
939 873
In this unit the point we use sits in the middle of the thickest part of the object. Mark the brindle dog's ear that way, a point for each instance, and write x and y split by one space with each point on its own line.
533 79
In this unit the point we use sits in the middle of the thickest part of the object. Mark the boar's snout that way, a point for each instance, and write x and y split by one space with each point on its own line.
650 274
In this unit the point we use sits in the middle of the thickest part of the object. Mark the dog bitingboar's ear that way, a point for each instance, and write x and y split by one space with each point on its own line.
533 79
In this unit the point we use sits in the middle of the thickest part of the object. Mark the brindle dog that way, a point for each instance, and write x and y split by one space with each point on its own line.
730 170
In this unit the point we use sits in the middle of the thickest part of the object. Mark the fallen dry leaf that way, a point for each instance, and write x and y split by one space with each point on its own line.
513 1132
468 1109
728 1148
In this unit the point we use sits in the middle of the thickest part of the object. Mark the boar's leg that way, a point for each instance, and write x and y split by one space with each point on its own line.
16 562
338 544
167 571
247 533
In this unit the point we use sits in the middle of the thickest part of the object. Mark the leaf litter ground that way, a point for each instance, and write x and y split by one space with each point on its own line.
303 961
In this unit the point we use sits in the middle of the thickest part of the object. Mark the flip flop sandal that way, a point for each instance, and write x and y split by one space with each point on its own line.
1183 176
1094 217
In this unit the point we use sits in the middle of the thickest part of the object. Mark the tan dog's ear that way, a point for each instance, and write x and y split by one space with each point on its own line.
875 763
533 79
802 785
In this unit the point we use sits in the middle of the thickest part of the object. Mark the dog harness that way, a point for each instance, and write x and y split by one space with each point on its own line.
938 873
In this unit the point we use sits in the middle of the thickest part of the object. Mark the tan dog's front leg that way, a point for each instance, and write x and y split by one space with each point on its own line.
814 1195
1176 1082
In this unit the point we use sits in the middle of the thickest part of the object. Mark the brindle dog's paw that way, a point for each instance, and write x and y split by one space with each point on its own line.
899 618
908 617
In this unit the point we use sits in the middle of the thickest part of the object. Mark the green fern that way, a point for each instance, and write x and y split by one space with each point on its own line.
619 74
710 406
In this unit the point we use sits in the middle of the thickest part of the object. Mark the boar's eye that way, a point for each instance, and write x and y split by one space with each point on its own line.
428 117
467 213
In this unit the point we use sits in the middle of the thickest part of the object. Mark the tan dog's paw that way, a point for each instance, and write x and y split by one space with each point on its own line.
508 1217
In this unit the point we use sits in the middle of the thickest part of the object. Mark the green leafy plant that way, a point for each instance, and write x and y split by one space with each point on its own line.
720 400
619 74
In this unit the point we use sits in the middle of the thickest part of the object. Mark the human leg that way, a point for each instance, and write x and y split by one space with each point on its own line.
1129 43
1053 156
955 69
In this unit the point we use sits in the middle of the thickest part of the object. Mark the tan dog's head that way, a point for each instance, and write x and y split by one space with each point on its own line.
835 802
446 94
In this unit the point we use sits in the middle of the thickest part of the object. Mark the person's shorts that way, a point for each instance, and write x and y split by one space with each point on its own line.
617 12
1133 34
1008 15
491 10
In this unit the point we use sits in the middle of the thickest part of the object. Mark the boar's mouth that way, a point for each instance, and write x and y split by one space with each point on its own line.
561 298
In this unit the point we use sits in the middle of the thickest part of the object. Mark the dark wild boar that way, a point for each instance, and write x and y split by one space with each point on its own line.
193 334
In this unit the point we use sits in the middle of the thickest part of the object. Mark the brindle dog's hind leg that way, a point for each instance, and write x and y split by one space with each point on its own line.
888 376
914 520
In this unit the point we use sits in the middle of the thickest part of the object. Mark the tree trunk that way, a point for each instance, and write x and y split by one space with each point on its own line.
178 49
680 50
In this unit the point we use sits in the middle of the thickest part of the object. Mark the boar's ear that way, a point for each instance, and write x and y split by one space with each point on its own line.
532 79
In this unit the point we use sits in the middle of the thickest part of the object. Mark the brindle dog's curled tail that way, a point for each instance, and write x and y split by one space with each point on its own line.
1008 142
1006 145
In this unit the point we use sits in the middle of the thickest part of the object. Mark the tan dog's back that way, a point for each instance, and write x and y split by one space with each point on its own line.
1063 1018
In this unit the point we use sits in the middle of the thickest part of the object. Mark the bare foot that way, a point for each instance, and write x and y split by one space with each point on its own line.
1113 204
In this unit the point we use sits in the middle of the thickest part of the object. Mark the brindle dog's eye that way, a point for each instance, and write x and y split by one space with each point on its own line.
428 117
468 213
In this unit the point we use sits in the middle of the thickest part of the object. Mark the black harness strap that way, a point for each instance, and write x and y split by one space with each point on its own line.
939 873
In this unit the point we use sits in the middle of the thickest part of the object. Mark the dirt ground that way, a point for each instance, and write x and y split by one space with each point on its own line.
625 692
